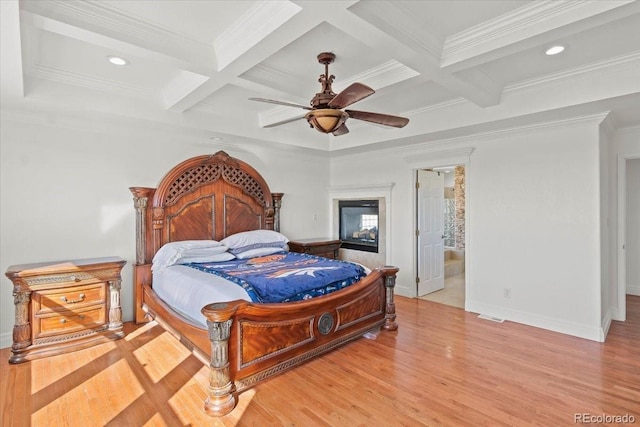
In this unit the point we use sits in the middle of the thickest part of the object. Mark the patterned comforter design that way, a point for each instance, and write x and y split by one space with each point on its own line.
286 276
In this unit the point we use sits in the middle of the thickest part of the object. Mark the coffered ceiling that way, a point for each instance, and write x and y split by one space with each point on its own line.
452 67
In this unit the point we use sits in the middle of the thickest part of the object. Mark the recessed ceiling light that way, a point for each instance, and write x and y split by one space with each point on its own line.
554 50
217 138
116 60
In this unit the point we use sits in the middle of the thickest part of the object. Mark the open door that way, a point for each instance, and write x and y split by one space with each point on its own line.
430 221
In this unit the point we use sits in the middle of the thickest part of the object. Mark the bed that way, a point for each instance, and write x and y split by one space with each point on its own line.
213 197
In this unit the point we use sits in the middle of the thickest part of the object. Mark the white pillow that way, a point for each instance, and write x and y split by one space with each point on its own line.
224 256
170 253
252 253
240 243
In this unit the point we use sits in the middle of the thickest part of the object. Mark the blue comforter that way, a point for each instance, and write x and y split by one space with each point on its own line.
285 276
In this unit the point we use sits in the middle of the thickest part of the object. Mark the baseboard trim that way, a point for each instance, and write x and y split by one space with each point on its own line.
594 333
633 290
606 324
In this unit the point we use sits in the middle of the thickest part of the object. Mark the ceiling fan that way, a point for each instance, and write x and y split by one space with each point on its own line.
326 114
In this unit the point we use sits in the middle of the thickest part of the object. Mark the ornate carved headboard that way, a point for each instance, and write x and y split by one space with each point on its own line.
205 197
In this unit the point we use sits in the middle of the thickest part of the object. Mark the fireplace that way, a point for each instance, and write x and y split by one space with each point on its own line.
358 226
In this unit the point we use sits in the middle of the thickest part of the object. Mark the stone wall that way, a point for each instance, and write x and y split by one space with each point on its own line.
458 188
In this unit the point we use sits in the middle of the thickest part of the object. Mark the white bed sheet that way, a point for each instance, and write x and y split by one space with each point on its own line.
187 290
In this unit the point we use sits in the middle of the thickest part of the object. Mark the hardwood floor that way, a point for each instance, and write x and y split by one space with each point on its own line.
442 367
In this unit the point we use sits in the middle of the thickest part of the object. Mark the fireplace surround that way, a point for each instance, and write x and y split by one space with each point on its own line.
380 192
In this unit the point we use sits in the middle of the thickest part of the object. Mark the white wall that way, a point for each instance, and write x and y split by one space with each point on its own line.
64 188
533 206
633 226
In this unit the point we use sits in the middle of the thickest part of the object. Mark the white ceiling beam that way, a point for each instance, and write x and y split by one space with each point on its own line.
531 25
411 44
181 85
310 15
253 26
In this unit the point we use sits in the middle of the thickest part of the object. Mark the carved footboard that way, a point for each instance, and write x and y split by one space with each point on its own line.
251 342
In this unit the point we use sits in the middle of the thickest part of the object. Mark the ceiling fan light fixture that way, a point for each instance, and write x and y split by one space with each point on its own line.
326 120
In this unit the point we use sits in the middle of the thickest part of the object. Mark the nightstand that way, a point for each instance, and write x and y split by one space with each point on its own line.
328 248
65 306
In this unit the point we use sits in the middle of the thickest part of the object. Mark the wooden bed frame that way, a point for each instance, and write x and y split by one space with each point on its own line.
211 197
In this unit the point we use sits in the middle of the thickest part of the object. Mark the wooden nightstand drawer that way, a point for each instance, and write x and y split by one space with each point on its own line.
63 306
68 298
70 321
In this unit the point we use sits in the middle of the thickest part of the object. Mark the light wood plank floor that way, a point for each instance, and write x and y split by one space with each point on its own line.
442 367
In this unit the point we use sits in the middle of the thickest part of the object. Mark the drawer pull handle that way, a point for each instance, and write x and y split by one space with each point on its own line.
63 320
74 278
73 301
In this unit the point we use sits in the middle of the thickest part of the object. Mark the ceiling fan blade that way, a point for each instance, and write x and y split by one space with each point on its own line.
288 104
382 119
353 93
293 119
342 130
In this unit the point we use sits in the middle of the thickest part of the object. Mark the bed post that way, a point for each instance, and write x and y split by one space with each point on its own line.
389 273
277 203
221 399
140 202
141 272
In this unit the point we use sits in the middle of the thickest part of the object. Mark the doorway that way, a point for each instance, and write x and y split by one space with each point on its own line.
628 231
440 235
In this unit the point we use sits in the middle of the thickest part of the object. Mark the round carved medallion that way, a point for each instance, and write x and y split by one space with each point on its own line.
325 324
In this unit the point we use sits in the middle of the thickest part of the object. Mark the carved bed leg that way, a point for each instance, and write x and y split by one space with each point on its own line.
390 283
221 400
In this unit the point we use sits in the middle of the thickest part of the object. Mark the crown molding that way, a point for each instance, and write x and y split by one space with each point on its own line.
425 149
383 188
532 19
251 28
106 19
383 75
449 157
608 125
608 64
87 81
38 114
505 25
388 15
268 75
439 106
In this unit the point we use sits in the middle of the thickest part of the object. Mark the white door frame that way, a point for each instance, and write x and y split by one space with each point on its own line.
621 313
438 159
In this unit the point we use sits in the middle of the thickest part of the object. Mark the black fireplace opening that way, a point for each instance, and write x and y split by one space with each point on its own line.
359 224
